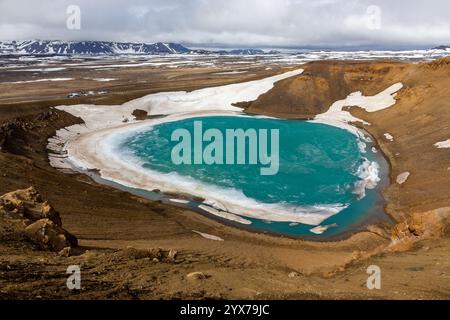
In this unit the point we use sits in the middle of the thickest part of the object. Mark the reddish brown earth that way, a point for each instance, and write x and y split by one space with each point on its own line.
127 244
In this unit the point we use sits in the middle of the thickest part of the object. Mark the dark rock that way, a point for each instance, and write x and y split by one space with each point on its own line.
140 114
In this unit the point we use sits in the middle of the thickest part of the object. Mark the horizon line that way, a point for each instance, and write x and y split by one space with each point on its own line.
258 46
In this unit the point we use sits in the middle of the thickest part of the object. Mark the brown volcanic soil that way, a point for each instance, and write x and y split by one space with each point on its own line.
323 83
246 265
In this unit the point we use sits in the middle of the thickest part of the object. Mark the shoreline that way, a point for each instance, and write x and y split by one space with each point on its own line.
84 152
224 206
195 205
358 227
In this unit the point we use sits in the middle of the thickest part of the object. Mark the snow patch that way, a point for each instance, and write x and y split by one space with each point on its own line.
230 72
368 173
402 177
443 144
389 137
104 79
42 70
179 201
40 80
338 117
208 236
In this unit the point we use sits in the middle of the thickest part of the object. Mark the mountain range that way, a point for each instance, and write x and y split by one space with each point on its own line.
89 47
443 47
55 47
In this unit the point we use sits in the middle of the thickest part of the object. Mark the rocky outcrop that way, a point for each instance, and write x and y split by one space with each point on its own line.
49 235
420 226
196 276
27 214
140 114
7 129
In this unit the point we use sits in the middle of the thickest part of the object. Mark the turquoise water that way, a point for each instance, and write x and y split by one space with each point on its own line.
318 166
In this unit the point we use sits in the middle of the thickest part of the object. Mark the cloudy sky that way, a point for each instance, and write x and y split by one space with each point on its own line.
246 23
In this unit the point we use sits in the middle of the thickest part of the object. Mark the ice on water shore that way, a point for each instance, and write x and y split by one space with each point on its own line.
220 98
215 99
368 173
91 145
322 229
336 116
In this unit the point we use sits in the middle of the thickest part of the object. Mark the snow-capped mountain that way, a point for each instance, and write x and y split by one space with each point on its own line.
56 47
443 47
7 47
239 52
89 47
246 51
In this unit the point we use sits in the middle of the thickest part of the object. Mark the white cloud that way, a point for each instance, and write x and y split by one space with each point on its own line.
234 22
